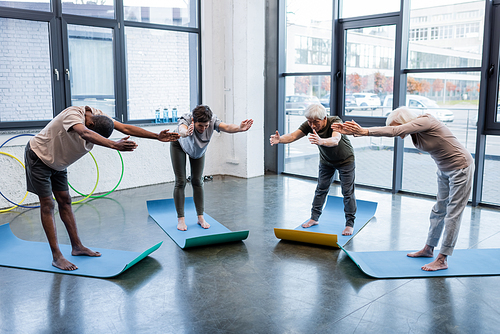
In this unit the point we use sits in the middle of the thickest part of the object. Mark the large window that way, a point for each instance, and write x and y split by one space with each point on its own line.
91 67
369 68
25 71
101 8
178 13
128 58
301 91
425 55
165 57
308 35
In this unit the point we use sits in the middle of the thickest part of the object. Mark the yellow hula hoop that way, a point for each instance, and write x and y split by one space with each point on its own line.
15 206
96 182
26 195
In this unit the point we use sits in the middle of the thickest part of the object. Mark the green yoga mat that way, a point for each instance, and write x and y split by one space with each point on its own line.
164 214
18 253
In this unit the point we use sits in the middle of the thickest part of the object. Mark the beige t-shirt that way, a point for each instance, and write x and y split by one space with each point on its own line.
56 145
430 135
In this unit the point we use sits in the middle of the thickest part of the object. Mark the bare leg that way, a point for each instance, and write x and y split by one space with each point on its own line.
439 263
202 222
309 223
66 213
49 226
427 251
181 224
348 230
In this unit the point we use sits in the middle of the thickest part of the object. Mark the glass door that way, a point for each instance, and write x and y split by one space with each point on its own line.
89 67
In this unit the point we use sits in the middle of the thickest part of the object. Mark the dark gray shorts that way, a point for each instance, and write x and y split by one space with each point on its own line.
40 178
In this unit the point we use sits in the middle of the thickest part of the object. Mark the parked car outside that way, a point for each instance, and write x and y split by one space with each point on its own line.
325 100
297 104
367 100
350 102
421 105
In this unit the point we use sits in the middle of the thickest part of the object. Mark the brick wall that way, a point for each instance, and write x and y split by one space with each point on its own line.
25 76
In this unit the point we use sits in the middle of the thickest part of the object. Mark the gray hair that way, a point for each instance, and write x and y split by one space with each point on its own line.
315 111
401 115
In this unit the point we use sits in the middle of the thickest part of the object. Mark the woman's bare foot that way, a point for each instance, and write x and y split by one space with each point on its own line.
309 223
84 251
439 263
202 222
181 224
427 251
348 230
63 264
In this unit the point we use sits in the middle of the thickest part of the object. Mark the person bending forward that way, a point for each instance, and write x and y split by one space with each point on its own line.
65 139
335 152
196 129
454 174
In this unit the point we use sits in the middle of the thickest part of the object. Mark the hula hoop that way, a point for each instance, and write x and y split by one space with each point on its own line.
15 204
96 182
109 192
8 140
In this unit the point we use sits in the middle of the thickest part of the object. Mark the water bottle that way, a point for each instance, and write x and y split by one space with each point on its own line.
165 115
174 115
157 116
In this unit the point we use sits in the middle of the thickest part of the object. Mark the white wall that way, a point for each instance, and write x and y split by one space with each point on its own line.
233 81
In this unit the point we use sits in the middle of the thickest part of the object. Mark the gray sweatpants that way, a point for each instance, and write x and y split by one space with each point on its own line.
454 188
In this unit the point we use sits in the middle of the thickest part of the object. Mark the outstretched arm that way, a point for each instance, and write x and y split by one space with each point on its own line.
330 142
350 128
232 128
93 137
136 131
285 139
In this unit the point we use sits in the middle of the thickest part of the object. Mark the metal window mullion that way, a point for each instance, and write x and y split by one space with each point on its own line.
489 82
399 93
121 111
280 149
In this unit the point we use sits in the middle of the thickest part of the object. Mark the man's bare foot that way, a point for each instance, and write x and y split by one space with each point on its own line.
202 222
427 251
439 263
64 264
181 224
309 223
348 230
84 251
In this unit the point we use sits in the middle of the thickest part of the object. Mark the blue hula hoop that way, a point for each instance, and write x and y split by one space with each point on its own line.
19 205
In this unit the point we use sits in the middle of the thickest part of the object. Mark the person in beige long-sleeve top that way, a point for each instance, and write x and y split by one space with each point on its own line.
454 175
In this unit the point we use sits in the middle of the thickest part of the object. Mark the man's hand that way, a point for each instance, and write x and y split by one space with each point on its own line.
125 145
166 136
350 128
190 129
275 139
246 124
315 139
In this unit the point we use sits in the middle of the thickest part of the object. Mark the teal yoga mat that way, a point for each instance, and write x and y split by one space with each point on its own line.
18 253
464 262
164 214
331 223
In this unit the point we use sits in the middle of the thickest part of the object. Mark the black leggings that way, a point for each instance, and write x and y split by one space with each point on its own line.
178 157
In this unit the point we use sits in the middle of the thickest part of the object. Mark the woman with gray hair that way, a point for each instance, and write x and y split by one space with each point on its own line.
454 175
335 152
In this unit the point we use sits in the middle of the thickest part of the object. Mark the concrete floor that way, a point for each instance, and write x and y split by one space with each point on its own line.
261 285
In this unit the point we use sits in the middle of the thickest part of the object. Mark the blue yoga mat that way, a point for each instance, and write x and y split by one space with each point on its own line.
330 224
164 214
18 253
464 262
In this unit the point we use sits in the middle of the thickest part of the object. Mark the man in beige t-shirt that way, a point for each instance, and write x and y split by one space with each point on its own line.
68 137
